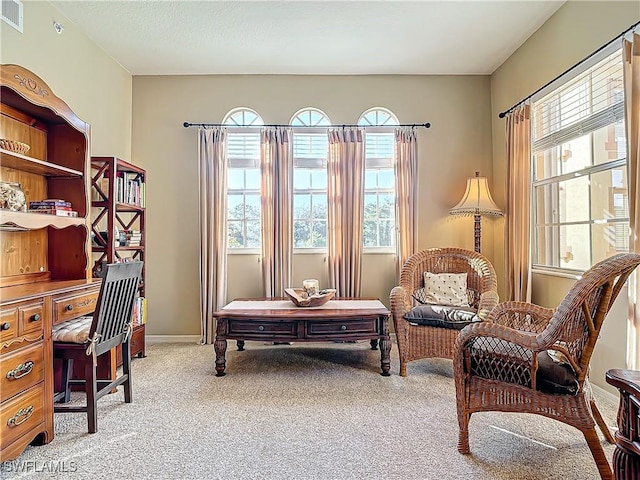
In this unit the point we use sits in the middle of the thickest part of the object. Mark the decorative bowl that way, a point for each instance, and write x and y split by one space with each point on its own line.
14 146
299 297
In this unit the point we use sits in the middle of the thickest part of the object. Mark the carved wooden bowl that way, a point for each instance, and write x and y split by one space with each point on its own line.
299 297
14 146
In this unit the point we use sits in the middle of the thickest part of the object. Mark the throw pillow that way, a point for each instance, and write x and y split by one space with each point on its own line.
446 289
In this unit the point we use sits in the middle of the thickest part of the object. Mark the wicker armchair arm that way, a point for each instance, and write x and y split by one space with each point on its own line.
400 300
521 316
527 340
488 301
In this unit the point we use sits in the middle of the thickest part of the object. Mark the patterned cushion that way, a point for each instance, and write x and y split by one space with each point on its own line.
473 297
446 289
72 331
442 316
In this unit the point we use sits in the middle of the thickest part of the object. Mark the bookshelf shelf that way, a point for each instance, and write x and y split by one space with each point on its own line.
118 204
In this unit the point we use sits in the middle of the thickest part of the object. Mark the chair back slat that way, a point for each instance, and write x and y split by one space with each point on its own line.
115 304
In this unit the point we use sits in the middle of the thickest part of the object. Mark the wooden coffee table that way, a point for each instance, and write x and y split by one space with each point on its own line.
278 320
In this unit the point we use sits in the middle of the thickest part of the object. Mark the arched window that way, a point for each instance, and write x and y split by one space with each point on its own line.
243 178
310 151
379 178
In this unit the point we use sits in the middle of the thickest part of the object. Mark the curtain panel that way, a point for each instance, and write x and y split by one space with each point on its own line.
276 168
406 178
212 182
517 239
345 192
631 69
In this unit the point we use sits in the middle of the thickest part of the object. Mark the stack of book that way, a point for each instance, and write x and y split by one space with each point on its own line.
53 206
132 238
139 314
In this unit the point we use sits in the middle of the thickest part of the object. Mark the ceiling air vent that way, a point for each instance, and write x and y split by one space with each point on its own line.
12 13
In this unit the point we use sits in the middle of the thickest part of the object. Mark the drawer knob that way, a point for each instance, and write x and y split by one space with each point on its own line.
21 370
21 416
261 328
68 308
6 326
343 327
36 317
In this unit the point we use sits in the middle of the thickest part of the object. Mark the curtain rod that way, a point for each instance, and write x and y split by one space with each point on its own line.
503 114
187 125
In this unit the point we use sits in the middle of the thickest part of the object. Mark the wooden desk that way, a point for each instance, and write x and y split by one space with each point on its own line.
280 321
27 313
626 457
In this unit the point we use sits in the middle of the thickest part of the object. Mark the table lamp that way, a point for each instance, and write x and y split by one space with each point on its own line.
476 201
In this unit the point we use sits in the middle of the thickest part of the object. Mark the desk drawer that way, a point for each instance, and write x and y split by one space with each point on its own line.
340 327
72 306
22 319
21 414
21 370
251 327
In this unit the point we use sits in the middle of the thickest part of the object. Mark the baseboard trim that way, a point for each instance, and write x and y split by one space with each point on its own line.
153 339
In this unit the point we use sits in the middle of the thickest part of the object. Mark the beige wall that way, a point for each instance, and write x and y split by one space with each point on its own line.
457 144
96 87
576 30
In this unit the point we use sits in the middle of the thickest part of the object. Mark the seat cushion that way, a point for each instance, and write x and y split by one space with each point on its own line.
75 330
555 376
442 316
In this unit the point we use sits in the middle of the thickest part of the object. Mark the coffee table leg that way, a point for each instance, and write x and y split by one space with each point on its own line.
220 346
240 345
374 344
385 356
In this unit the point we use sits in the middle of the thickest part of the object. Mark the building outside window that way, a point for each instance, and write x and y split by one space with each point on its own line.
580 196
379 180
310 151
243 179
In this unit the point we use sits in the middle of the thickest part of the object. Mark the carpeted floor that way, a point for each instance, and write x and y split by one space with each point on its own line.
301 411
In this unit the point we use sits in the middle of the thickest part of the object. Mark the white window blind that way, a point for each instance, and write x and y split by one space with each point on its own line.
592 100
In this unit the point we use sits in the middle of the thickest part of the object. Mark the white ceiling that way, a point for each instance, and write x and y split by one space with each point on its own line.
183 37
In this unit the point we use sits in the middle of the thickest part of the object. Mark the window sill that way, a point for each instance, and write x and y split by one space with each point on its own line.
572 274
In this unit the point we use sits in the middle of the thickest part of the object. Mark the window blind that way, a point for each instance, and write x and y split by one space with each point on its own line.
243 150
594 99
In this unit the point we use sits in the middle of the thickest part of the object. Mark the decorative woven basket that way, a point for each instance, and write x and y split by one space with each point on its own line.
299 298
14 146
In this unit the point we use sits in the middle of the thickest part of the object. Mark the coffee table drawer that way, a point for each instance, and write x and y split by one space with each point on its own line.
261 328
342 327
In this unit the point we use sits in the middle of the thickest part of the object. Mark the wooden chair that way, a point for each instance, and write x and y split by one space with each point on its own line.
86 338
530 359
438 339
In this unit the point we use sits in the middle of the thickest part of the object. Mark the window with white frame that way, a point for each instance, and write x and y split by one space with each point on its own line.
243 179
379 178
580 197
310 151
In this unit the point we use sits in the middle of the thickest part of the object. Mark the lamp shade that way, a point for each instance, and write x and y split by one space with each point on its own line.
476 199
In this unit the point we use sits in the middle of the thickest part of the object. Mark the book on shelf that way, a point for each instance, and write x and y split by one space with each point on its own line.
139 314
55 211
50 203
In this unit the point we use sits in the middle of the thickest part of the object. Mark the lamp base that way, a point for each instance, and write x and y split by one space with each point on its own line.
476 232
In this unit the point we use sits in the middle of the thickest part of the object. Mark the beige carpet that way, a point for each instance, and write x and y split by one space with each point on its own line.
301 411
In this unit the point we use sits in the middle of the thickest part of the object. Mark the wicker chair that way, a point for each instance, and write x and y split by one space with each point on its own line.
420 341
530 359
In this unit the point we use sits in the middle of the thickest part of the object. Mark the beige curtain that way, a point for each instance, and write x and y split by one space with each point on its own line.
212 177
631 65
276 168
345 191
517 238
406 169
